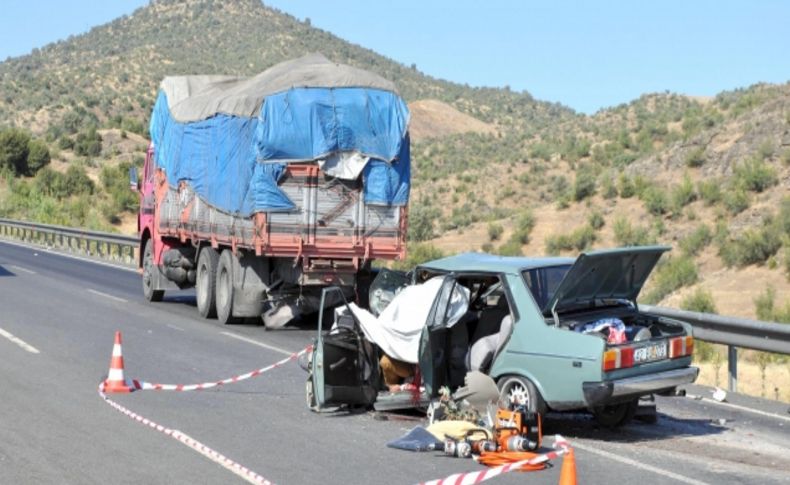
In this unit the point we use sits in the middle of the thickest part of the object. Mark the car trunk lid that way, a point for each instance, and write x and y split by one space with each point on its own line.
614 274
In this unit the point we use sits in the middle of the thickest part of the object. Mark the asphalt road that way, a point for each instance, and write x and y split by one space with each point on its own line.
54 428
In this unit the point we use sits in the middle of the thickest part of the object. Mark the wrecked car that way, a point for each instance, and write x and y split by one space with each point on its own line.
556 334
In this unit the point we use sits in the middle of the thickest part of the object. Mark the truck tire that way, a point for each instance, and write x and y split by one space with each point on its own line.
517 390
149 278
224 289
206 281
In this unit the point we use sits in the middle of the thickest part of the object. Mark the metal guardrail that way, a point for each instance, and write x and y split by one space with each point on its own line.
731 331
104 245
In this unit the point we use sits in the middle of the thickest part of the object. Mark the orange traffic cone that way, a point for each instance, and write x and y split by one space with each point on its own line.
115 381
568 471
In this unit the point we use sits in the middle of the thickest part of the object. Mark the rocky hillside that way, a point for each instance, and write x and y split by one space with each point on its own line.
494 170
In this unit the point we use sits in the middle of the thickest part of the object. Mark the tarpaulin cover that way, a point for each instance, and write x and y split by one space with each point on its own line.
231 138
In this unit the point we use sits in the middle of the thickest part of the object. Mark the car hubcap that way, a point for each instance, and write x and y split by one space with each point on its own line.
518 395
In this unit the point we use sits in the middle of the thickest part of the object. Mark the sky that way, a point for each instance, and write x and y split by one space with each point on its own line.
586 55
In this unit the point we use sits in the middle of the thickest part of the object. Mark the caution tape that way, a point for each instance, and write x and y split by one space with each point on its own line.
148 386
196 445
562 447
187 440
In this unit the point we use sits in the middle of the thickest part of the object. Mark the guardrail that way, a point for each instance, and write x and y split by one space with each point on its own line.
731 331
104 245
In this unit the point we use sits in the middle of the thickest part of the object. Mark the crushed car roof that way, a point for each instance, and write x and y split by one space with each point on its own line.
492 263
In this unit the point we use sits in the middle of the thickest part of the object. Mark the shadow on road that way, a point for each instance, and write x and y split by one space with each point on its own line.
5 272
668 427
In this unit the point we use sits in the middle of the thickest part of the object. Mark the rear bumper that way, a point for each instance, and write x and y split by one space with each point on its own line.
609 392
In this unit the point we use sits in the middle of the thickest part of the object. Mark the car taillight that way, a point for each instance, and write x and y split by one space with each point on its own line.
681 347
621 358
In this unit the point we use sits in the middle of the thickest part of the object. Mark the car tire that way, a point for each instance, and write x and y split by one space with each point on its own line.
224 289
514 390
149 292
206 282
616 415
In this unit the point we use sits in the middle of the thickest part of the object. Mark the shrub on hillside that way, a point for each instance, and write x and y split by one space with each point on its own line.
709 191
754 246
736 201
579 239
697 240
78 182
626 187
596 220
671 275
627 235
683 194
14 149
417 254
525 222
584 184
421 219
655 200
88 143
700 300
755 175
696 157
38 156
510 248
495 231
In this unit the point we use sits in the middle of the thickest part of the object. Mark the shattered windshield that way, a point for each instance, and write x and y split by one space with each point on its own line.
543 282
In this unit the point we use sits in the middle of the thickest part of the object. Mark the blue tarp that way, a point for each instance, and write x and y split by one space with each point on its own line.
234 162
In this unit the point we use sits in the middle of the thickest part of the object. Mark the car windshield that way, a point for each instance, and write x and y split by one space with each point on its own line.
543 282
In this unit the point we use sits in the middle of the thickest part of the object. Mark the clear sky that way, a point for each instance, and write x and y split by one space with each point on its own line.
586 55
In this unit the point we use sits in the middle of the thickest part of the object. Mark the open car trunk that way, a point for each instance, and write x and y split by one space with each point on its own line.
597 296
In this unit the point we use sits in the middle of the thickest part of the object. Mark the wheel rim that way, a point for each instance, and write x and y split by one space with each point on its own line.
518 395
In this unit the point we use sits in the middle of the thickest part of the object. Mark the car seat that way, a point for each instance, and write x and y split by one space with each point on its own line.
483 349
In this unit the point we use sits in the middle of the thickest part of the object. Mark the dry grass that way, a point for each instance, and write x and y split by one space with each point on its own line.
777 379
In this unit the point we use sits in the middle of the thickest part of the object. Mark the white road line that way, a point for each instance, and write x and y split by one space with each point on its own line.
744 408
643 466
174 327
19 342
67 255
259 344
24 270
105 295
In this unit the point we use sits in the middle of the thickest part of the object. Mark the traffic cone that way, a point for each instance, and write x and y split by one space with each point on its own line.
115 381
568 471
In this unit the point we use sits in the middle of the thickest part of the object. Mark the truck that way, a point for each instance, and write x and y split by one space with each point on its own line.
261 191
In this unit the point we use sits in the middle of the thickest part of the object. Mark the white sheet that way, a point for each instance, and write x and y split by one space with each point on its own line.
397 330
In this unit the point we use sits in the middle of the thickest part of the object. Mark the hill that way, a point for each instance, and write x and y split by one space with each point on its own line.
494 170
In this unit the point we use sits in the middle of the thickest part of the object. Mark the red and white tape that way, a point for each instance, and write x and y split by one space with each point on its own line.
204 450
561 446
148 386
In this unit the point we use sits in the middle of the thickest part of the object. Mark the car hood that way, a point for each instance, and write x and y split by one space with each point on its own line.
612 274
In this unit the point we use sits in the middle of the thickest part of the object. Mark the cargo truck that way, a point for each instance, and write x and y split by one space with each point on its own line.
260 192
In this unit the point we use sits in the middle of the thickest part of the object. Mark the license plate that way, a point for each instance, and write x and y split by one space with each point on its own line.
650 352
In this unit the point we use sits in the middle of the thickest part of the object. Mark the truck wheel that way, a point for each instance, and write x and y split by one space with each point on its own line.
149 292
520 391
616 415
224 289
206 282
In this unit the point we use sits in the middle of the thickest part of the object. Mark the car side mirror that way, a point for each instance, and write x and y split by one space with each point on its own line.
134 182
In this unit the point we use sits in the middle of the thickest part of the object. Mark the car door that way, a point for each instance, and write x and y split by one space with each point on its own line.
433 351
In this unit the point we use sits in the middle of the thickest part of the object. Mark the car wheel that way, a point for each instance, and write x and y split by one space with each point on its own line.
519 391
206 282
149 292
616 415
224 289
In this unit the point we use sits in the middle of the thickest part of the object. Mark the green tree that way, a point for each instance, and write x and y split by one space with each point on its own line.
14 149
38 156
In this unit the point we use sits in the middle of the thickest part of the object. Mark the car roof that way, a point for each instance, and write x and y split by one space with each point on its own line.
491 263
